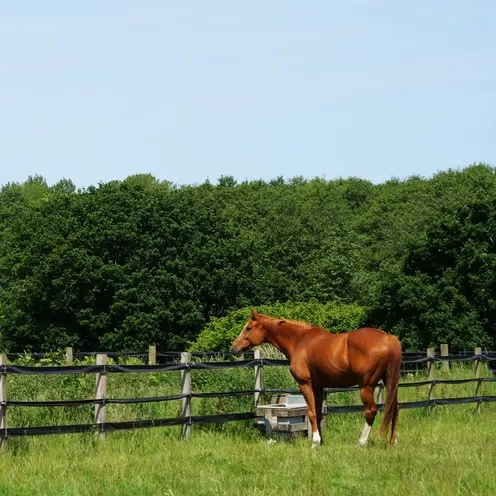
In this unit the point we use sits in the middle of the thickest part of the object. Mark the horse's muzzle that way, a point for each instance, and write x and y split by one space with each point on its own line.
236 351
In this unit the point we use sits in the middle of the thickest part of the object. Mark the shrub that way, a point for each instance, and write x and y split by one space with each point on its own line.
335 317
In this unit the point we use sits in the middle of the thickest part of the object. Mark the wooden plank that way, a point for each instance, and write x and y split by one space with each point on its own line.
278 417
301 426
152 354
69 356
278 411
186 389
101 393
478 375
290 420
431 368
445 353
277 399
3 399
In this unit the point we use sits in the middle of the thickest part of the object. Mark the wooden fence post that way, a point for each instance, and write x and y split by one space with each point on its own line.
478 375
152 355
101 393
432 373
186 389
3 400
258 355
69 356
445 352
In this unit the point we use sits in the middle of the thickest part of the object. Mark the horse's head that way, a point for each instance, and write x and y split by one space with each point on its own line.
253 334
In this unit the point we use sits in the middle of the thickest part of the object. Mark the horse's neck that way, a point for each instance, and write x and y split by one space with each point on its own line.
284 336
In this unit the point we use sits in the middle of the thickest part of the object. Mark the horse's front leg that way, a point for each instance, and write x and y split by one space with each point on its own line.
319 401
314 405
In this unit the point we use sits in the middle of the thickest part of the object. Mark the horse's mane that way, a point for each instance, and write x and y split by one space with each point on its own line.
273 323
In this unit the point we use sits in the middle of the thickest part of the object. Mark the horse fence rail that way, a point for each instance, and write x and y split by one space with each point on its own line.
187 364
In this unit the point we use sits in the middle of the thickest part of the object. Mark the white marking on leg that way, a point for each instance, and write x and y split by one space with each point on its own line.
316 439
365 435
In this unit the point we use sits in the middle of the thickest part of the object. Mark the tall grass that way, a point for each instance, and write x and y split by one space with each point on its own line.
446 451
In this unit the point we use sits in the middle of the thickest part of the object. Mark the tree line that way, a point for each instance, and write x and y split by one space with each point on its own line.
127 263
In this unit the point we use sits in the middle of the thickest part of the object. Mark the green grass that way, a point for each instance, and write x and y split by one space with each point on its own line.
446 450
449 451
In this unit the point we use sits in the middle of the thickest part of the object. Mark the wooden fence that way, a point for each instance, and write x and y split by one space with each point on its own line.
186 365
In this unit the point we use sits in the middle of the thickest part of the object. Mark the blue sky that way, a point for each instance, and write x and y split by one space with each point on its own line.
99 90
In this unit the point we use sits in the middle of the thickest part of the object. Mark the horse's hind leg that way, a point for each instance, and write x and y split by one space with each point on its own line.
367 395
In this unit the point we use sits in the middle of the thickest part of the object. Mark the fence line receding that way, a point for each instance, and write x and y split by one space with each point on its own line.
411 361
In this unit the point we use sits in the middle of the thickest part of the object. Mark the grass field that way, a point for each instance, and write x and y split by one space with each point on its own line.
449 451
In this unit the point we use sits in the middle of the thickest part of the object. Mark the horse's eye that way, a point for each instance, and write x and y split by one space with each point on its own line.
248 328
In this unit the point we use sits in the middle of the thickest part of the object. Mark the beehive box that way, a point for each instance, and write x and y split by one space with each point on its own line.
286 413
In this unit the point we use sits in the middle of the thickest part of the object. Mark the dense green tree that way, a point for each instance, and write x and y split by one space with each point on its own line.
447 290
126 263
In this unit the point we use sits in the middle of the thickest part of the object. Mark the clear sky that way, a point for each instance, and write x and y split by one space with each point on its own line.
98 90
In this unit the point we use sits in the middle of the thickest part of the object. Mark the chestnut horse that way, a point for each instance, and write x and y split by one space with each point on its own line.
319 359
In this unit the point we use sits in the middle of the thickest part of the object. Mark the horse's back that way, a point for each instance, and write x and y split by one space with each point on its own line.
367 337
363 340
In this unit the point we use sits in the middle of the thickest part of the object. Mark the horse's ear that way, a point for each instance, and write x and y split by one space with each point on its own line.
254 314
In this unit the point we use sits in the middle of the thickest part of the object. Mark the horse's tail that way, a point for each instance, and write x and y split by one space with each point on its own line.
392 380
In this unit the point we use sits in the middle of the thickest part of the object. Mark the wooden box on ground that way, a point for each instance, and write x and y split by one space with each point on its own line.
287 414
